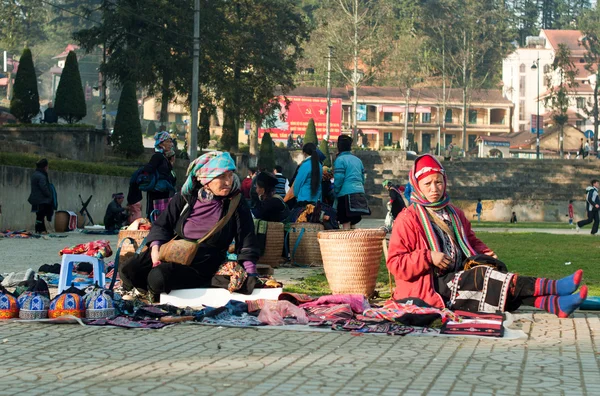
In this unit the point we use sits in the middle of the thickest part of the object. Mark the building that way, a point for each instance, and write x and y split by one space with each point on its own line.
523 84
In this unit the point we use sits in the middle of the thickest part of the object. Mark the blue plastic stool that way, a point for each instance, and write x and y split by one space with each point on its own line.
66 271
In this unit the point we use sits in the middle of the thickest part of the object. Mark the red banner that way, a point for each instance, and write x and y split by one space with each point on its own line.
295 118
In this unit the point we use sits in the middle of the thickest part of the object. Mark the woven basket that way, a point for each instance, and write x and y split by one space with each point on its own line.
128 249
308 251
351 259
274 245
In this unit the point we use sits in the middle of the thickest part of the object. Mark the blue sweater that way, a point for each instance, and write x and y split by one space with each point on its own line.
348 174
302 183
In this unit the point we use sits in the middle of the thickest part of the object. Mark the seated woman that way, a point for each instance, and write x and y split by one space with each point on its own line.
204 199
269 206
431 241
116 215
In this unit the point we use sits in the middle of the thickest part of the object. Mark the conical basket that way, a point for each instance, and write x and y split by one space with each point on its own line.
351 259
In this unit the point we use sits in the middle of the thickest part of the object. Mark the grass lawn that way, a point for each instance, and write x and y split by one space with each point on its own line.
532 254
504 224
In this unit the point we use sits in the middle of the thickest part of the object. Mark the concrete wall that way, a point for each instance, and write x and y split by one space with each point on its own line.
83 144
15 189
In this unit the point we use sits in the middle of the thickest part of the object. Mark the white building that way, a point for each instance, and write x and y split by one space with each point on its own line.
520 80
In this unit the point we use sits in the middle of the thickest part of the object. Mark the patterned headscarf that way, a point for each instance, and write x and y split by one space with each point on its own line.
424 165
206 168
160 137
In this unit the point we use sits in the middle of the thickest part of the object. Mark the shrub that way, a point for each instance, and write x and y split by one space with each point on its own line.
127 136
151 129
324 147
266 157
70 99
25 103
311 133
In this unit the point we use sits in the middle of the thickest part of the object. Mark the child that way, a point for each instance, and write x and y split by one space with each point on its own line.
513 218
478 210
571 212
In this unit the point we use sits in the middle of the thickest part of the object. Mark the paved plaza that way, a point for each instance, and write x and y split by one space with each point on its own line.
559 356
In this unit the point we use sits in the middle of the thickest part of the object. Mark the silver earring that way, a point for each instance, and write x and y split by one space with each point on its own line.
205 195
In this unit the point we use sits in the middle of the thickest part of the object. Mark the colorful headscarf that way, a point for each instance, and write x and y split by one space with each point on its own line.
160 137
424 165
206 168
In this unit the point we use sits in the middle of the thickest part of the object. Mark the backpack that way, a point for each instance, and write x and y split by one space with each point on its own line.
145 180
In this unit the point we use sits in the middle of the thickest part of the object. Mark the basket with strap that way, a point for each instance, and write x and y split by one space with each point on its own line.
303 244
128 248
274 244
351 259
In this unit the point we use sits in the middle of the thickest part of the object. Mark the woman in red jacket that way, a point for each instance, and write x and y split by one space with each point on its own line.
431 243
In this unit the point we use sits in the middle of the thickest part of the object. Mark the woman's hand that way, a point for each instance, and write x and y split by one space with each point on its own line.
155 256
440 260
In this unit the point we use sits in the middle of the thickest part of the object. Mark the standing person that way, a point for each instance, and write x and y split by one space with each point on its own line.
283 184
395 198
116 215
586 149
290 140
349 185
42 197
50 116
162 168
433 246
592 205
513 218
571 212
307 184
247 183
580 151
479 209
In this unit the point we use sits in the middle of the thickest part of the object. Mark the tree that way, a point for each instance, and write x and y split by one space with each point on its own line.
590 27
310 136
127 136
151 128
266 159
204 127
324 147
22 23
25 103
559 84
70 99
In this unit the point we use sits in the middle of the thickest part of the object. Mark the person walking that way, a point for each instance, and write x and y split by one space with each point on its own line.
586 149
349 185
162 168
396 199
571 212
479 209
592 205
42 197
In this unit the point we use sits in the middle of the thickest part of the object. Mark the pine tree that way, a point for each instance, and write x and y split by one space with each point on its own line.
25 103
127 137
311 133
324 147
70 99
266 157
151 129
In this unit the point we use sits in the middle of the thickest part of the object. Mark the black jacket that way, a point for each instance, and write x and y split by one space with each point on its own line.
40 189
212 252
161 164
271 209
397 201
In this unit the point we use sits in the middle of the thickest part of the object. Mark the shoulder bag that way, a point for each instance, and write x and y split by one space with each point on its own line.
183 251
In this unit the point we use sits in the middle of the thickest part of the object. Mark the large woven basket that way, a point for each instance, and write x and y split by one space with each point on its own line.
351 259
274 245
128 249
308 251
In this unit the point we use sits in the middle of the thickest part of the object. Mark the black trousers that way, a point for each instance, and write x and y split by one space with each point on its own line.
593 216
138 272
43 211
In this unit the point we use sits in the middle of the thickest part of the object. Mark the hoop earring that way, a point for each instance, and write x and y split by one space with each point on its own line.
205 195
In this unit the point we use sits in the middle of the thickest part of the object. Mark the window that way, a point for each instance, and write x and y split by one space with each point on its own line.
449 116
472 116
387 139
387 116
522 68
521 110
580 124
580 103
472 143
547 69
426 117
522 86
411 117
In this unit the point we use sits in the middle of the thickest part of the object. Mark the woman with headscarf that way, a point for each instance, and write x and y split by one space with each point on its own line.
115 215
435 256
161 166
41 197
269 206
349 185
205 198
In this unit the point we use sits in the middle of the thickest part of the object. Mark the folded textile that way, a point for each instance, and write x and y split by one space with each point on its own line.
296 298
236 273
409 314
127 322
333 314
475 323
225 318
278 313
357 302
99 249
14 278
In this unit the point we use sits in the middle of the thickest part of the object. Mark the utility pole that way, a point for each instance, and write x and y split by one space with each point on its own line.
103 88
193 145
355 78
328 131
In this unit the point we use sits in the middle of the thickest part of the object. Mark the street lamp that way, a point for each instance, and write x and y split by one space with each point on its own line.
536 65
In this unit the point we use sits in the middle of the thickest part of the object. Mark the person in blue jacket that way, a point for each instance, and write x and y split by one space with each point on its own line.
307 184
349 185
